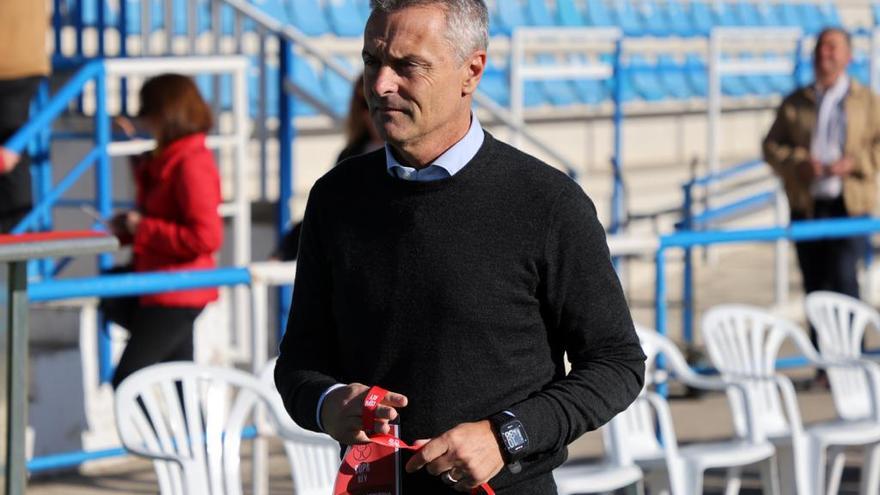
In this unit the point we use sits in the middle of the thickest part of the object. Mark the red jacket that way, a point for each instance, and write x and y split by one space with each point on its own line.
178 193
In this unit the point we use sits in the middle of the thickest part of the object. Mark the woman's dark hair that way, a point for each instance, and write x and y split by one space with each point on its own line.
175 106
357 130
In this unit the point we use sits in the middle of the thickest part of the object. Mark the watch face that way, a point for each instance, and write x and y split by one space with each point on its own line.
514 438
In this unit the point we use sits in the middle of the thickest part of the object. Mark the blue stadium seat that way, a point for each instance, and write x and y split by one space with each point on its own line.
539 15
90 12
756 84
812 20
305 77
780 83
363 7
789 14
345 19
724 15
558 92
679 19
510 15
133 15
875 10
748 13
567 14
495 85
830 14
627 18
645 79
860 69
588 91
338 89
701 18
654 19
768 14
734 85
598 14
627 91
205 83
672 78
695 71
274 8
307 16
804 74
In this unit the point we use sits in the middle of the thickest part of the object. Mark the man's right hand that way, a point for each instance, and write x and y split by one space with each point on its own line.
342 410
810 169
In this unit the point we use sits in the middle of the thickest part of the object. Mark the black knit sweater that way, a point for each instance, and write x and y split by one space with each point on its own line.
463 294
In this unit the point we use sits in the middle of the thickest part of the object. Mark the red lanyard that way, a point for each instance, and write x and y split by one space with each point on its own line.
371 402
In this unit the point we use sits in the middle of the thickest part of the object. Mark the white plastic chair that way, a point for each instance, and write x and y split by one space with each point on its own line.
189 419
743 343
645 431
840 322
615 472
314 457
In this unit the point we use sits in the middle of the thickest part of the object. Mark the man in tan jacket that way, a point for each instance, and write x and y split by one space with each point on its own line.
23 63
825 146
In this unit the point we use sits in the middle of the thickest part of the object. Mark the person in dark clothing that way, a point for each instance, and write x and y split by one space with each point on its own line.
23 65
361 137
456 272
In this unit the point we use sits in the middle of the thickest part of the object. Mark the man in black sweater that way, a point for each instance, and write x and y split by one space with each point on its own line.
456 272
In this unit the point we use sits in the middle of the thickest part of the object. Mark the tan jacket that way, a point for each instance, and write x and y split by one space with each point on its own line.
24 25
788 144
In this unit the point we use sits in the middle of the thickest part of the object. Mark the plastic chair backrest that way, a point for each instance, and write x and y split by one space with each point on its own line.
748 13
568 14
189 419
628 18
345 18
768 14
678 18
701 17
724 14
598 13
840 322
789 14
538 13
812 19
743 343
308 17
274 8
510 15
314 457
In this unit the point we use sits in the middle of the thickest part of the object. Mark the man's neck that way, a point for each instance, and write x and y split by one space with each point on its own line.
422 153
827 81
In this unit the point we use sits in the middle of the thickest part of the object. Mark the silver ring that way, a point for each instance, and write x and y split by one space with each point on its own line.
448 479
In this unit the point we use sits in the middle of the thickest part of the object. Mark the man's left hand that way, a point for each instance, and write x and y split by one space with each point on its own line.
470 452
841 167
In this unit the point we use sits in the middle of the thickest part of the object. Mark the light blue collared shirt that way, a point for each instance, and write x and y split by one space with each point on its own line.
446 165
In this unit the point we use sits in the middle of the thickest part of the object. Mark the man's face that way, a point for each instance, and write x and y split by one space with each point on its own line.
833 55
413 81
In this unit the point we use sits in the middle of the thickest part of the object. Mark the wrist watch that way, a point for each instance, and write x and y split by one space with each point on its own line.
512 437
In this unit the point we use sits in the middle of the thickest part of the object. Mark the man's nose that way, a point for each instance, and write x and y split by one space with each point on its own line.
385 82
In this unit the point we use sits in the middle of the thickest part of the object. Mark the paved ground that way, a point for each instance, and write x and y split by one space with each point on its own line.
740 275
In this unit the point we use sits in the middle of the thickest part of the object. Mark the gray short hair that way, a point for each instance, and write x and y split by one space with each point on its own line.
467 20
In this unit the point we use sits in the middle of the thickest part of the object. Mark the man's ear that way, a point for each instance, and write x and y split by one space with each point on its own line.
474 67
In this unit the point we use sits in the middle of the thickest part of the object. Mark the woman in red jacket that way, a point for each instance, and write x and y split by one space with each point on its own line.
175 225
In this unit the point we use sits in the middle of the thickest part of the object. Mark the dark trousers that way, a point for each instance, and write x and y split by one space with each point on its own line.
829 264
15 187
158 334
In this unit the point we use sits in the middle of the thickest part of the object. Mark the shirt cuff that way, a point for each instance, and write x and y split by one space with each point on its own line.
321 403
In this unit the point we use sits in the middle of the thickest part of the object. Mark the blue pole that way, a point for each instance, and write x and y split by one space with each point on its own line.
57 27
660 305
44 172
286 136
687 288
104 200
617 199
102 24
123 53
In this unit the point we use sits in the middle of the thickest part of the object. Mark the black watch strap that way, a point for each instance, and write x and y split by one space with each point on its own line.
512 438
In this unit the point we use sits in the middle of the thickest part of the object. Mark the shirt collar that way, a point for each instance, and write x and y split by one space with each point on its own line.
452 160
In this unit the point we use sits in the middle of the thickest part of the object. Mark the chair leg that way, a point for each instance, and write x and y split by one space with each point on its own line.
787 467
835 473
816 463
870 479
770 477
693 481
734 481
635 489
